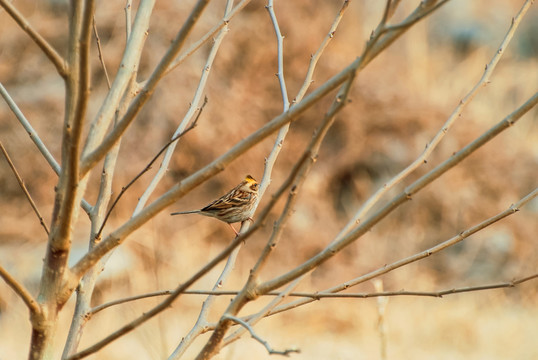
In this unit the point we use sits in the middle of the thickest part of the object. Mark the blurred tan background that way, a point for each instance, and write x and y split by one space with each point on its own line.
398 104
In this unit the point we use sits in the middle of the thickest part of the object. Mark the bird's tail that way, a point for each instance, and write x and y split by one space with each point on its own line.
185 212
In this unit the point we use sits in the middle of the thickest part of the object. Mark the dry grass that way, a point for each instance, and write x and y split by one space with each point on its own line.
398 104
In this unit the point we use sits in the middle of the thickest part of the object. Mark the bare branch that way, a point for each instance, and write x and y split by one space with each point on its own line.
327 295
186 185
97 154
21 291
77 83
383 36
56 59
281 136
264 311
259 339
68 193
128 23
421 159
36 139
206 70
416 257
127 71
438 294
85 288
406 195
100 52
317 55
280 53
24 189
208 36
427 9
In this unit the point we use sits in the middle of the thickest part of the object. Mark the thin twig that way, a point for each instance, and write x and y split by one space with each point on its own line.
270 160
412 21
24 189
20 290
207 36
386 13
270 350
148 167
383 36
255 318
317 55
325 294
100 52
56 59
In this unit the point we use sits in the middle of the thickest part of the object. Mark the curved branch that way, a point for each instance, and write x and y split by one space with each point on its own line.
56 59
20 290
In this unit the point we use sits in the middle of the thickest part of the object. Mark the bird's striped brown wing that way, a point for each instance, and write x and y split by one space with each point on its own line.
233 199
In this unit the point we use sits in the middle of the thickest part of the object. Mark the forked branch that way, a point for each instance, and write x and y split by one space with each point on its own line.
258 338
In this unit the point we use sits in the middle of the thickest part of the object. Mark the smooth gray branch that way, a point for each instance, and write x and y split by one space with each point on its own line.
36 139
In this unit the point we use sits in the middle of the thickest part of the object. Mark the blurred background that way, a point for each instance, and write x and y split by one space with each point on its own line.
398 103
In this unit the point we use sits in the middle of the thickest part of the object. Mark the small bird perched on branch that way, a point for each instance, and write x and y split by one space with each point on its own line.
235 206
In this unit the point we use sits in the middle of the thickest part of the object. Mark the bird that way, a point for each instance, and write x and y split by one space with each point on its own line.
237 205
